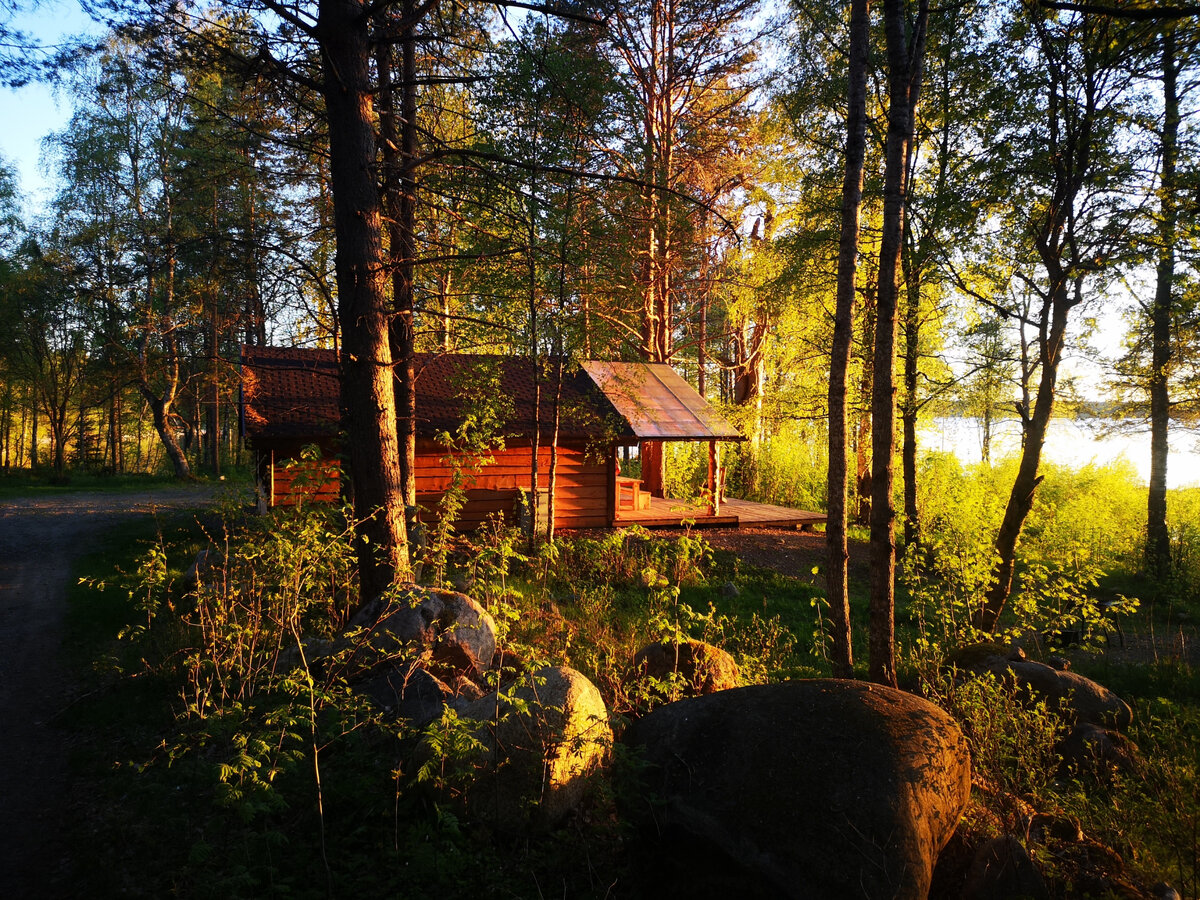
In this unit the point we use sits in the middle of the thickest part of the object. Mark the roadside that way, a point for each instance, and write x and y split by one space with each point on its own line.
41 538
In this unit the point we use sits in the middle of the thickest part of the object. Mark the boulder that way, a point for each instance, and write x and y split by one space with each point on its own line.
204 567
461 631
807 789
312 654
1083 699
703 668
408 691
540 742
1096 753
1002 870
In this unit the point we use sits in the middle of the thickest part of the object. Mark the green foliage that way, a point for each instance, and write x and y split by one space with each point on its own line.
1183 522
272 755
468 450
1084 524
1013 737
788 468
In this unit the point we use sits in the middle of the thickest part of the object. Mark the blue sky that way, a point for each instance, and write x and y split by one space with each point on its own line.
30 113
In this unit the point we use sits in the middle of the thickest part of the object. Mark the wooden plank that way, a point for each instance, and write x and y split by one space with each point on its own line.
305 481
511 482
652 520
515 457
766 515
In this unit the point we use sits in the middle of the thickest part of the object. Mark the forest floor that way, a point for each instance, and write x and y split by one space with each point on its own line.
41 539
787 551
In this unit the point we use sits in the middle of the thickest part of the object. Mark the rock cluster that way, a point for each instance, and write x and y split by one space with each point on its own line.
813 789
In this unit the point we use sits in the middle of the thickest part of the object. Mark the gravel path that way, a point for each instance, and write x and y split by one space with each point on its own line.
41 538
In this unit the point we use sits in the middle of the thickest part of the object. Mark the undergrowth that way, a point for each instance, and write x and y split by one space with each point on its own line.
225 762
254 771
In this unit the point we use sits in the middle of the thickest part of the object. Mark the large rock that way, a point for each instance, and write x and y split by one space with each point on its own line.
1096 754
206 568
1083 699
462 633
702 668
807 789
1002 870
540 742
408 691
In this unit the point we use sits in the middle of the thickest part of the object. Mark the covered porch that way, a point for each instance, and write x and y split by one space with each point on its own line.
662 512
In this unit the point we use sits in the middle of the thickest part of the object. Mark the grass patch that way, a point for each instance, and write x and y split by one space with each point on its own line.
20 483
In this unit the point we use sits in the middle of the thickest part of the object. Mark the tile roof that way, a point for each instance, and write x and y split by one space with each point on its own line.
289 393
293 394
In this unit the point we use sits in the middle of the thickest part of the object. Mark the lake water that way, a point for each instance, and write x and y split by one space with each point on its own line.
1068 442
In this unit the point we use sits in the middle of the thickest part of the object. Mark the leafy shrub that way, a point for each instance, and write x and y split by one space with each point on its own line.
1013 740
1082 523
1183 521
788 468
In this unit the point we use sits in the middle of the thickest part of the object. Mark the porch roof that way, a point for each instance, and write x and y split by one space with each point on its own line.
658 404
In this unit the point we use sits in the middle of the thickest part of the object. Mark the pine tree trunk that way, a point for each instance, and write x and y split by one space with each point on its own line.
400 188
367 394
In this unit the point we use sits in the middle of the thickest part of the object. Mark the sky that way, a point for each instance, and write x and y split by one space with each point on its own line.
30 113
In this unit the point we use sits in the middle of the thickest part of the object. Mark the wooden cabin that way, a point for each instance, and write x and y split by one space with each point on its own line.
290 401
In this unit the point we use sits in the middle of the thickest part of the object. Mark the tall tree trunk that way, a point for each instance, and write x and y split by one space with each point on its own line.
400 198
367 393
1158 539
556 412
1020 500
862 427
115 431
161 415
33 438
213 412
836 578
904 87
908 416
7 425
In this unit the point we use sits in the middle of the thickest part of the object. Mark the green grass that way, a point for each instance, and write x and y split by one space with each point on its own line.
23 483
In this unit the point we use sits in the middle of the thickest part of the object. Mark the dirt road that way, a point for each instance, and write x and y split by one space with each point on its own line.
40 540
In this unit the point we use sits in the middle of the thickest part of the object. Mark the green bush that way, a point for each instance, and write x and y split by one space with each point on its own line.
788 468
1183 521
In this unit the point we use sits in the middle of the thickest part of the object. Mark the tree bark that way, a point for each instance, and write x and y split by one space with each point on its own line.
904 88
836 577
1020 500
160 410
399 194
1158 539
912 345
367 393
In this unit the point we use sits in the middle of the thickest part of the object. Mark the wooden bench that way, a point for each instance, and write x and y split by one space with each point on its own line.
630 495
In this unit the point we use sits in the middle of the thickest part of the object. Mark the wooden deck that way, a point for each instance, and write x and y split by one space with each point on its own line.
734 514
764 515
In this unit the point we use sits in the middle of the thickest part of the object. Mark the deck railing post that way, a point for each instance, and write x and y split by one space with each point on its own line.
714 463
